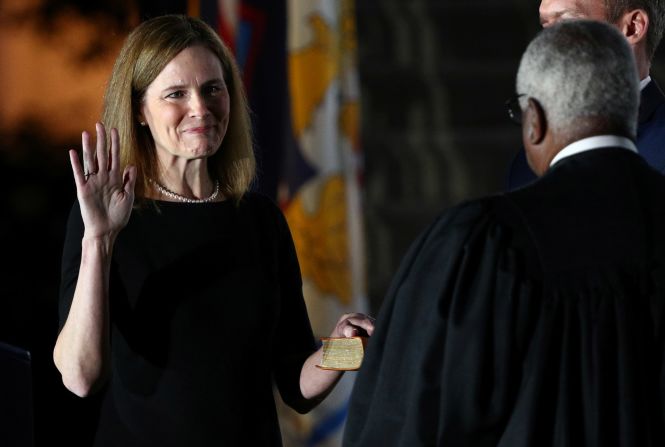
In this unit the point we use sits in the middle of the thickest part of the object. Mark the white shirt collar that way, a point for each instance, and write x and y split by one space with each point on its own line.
590 143
644 82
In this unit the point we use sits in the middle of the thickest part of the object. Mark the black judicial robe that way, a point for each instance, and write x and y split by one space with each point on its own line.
532 318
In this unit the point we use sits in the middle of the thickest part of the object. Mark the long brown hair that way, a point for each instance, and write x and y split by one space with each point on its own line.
145 53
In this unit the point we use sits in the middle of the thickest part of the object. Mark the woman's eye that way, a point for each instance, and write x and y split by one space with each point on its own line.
176 94
214 90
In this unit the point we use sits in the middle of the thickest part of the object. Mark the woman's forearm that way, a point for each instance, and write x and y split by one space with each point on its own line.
82 348
317 383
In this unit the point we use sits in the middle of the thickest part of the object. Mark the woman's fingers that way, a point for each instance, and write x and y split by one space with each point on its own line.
77 169
114 163
97 157
129 180
89 162
350 331
102 152
355 324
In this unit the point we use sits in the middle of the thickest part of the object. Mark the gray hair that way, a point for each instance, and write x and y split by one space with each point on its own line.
581 70
655 9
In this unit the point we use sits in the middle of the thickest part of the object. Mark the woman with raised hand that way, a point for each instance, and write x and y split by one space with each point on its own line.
181 297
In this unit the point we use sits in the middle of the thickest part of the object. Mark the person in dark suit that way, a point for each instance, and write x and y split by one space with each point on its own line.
642 23
535 317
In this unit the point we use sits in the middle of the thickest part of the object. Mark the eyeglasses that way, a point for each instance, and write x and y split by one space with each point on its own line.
514 108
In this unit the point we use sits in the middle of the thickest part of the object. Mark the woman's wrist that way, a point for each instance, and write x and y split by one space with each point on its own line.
98 243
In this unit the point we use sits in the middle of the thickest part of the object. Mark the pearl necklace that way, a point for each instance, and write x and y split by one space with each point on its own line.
180 198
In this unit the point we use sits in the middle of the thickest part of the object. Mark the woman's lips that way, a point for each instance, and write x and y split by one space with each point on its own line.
197 130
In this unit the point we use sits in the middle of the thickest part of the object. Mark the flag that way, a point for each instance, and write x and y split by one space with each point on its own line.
298 59
319 187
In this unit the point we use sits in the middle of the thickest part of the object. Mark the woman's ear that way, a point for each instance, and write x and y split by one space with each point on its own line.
139 112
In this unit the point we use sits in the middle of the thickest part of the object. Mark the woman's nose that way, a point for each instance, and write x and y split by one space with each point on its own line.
198 106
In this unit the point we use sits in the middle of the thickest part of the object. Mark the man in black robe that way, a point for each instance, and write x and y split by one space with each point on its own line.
535 317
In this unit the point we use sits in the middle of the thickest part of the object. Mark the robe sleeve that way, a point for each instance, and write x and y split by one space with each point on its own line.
440 368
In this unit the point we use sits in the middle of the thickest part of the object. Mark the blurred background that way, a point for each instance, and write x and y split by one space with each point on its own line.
425 83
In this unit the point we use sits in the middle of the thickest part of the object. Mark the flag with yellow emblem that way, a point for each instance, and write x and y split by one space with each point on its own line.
319 189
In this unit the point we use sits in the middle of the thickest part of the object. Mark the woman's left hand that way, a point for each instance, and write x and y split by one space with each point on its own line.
316 383
353 324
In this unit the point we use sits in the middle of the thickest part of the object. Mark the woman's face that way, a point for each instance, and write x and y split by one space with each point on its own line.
186 107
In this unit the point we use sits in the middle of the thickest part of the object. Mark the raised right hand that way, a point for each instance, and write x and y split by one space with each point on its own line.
105 194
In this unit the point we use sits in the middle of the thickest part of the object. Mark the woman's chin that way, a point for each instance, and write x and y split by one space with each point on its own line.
203 150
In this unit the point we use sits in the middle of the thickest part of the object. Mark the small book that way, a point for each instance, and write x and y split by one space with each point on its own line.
343 353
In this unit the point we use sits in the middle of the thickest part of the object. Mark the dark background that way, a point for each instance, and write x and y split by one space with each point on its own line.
434 75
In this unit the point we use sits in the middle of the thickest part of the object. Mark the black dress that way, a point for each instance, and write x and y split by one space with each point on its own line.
206 310
533 318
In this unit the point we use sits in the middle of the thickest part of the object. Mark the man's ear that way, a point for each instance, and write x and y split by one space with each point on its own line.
535 123
534 136
634 25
